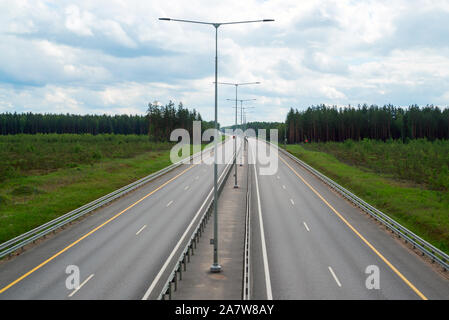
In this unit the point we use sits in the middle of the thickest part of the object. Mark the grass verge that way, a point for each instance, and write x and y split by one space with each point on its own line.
423 211
46 176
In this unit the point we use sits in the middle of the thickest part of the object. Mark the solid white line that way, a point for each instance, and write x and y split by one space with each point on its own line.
137 233
291 200
175 249
186 187
262 236
305 225
335 277
283 187
81 285
168 204
278 177
197 177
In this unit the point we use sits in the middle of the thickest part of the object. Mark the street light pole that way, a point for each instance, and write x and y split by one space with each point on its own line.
241 117
285 136
215 266
235 137
241 122
235 141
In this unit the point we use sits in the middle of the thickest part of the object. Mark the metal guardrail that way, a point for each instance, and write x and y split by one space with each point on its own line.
425 247
188 250
26 238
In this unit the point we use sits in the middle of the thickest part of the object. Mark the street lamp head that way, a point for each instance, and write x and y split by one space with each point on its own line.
268 20
165 19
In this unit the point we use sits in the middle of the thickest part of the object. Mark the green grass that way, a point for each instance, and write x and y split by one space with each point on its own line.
419 161
409 201
45 176
23 155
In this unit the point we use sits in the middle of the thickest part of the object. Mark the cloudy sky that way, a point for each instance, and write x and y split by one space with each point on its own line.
115 56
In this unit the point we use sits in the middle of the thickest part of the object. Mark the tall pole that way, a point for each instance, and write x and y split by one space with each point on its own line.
245 131
241 125
285 136
241 113
241 116
235 141
236 123
215 266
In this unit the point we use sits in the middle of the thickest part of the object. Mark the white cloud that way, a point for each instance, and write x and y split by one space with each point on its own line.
78 22
115 56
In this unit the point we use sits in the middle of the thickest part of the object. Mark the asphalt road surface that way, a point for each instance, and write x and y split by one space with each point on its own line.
121 249
308 243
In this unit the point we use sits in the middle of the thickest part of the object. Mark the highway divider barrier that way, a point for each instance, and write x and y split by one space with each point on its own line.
189 249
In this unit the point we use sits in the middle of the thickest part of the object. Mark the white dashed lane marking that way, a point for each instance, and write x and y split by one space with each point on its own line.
140 230
335 277
306 226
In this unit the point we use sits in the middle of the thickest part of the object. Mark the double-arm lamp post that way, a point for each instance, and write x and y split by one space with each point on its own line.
215 266
241 122
235 137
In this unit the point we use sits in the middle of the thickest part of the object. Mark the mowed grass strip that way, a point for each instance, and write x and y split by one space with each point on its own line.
417 207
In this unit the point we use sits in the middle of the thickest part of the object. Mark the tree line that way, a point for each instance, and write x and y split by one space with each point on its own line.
157 123
326 123
32 123
164 119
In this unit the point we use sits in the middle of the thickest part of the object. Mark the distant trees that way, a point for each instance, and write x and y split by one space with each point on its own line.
324 123
164 119
157 123
317 123
32 123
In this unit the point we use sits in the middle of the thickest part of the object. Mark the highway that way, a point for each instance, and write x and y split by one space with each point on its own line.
124 250
306 243
309 243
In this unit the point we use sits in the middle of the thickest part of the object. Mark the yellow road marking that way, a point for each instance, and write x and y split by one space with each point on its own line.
398 273
90 232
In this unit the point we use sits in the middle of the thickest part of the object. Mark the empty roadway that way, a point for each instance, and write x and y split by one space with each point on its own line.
314 252
126 245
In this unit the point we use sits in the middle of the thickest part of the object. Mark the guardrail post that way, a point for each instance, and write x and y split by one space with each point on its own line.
175 280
